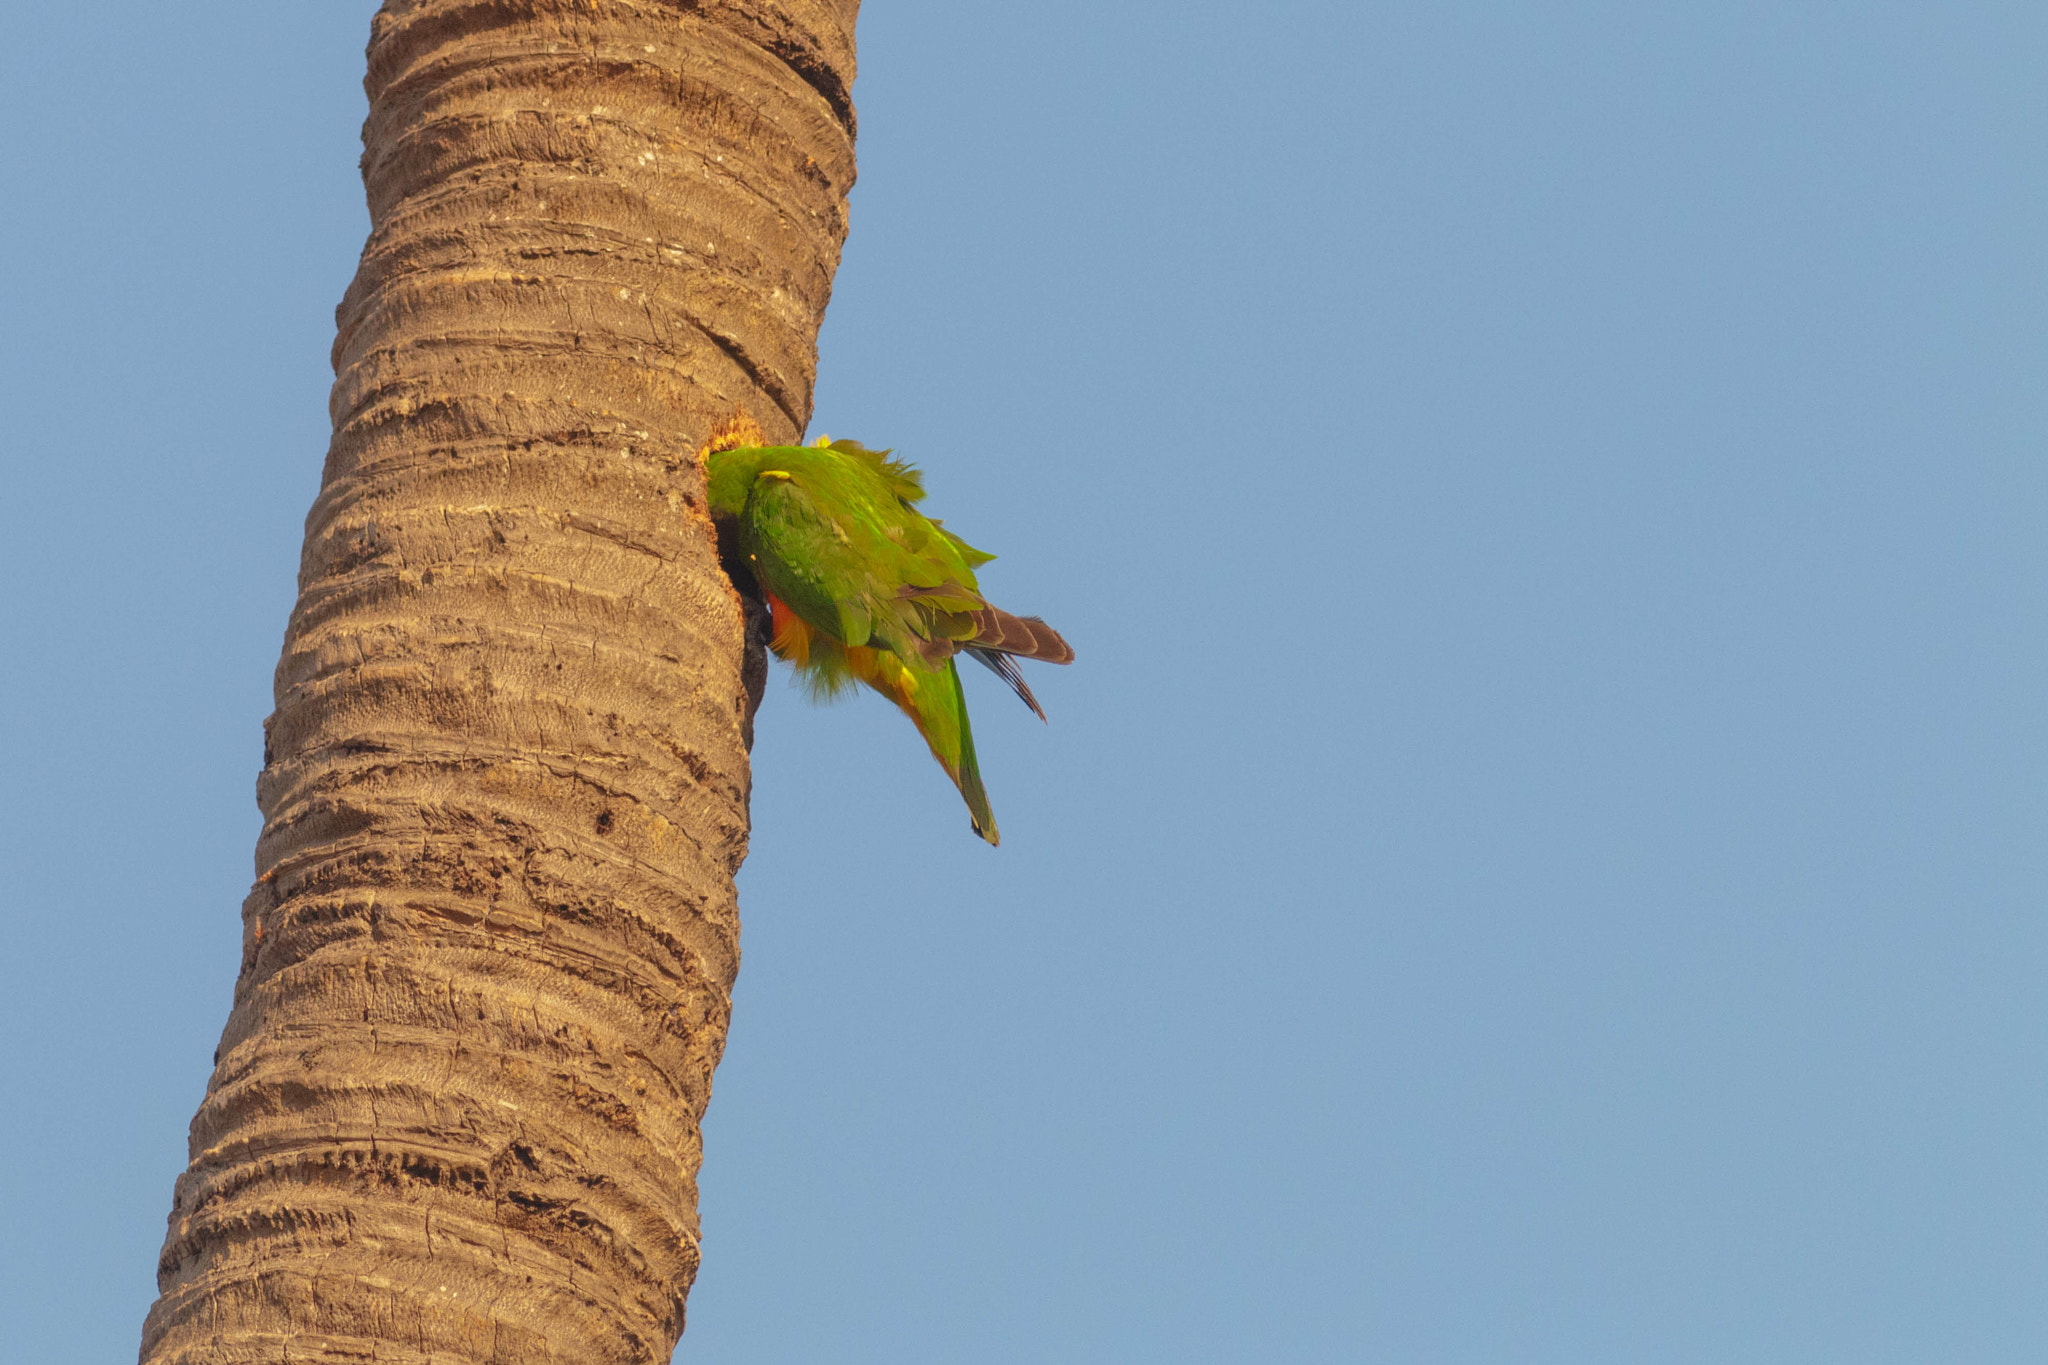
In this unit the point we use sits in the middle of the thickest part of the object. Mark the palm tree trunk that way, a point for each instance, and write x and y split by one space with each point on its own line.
487 962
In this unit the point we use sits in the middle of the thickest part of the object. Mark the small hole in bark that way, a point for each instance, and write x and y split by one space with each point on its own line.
604 823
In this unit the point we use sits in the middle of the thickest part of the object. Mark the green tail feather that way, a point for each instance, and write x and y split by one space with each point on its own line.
964 770
970 772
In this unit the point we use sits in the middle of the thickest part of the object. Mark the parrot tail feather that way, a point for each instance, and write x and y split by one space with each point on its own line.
1027 637
1005 667
968 774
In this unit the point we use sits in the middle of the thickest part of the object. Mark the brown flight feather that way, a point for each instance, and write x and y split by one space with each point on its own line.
1025 636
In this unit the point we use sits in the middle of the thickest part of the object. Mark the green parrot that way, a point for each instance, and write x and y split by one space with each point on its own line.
864 587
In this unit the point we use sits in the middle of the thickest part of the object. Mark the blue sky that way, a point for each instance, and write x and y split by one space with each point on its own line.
1541 856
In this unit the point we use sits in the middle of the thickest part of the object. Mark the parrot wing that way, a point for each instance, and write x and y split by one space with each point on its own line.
811 557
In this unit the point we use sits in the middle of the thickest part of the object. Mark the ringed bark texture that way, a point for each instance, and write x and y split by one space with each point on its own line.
487 961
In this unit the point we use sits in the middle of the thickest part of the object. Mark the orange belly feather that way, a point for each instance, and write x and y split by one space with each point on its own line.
878 668
793 634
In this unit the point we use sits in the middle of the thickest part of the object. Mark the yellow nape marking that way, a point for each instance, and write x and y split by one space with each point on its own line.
776 474
823 442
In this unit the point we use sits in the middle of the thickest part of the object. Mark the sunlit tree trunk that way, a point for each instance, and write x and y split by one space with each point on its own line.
487 961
